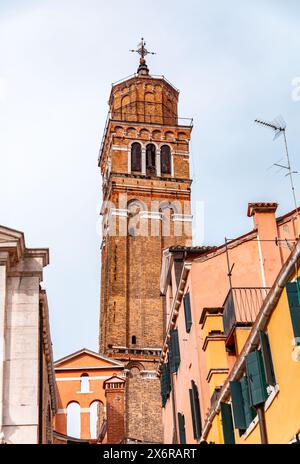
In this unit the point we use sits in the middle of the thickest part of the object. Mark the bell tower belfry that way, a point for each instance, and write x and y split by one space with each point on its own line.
144 163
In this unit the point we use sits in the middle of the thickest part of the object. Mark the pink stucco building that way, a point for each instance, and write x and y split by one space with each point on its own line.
212 296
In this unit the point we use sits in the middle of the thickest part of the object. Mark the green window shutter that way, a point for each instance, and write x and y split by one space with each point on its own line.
227 424
238 405
267 358
165 383
187 312
292 290
181 426
256 378
174 351
195 410
250 412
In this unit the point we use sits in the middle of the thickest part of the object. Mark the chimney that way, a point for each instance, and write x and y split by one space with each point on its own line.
115 407
269 253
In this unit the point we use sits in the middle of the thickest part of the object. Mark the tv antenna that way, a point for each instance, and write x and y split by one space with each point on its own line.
278 125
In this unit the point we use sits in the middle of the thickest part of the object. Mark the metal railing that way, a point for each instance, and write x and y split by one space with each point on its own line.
242 306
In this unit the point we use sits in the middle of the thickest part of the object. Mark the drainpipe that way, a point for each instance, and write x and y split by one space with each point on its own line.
262 424
41 367
174 410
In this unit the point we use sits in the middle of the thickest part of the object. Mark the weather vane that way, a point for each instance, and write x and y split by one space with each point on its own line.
142 51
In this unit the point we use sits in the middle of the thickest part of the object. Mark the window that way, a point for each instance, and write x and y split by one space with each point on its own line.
96 418
84 383
133 340
73 420
165 159
174 352
187 312
227 424
267 358
136 157
293 294
150 159
195 409
181 426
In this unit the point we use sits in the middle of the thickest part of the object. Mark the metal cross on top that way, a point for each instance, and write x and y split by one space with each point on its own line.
142 49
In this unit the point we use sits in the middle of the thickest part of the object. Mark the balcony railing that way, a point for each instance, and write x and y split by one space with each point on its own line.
242 306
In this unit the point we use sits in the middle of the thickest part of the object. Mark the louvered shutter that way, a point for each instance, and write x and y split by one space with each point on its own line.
181 426
249 411
256 378
187 312
292 290
238 405
227 424
195 411
174 351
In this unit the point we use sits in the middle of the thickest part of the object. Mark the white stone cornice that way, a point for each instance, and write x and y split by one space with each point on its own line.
119 148
150 215
182 217
119 212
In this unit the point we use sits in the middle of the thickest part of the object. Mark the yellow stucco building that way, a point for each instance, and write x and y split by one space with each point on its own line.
259 401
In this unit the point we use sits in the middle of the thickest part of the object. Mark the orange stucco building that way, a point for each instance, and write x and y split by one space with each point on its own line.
90 390
212 298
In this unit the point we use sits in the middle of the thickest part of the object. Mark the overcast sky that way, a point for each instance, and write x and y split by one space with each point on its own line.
233 61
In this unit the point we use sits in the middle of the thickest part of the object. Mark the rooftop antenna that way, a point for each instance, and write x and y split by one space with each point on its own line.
278 125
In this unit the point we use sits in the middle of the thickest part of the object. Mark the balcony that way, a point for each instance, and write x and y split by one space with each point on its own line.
241 307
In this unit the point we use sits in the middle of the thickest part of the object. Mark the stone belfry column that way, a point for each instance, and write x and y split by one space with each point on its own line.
146 187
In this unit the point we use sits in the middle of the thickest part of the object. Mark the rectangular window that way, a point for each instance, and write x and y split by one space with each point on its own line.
195 410
267 358
227 424
187 312
174 353
181 426
293 294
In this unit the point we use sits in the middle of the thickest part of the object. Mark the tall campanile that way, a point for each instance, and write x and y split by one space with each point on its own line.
144 163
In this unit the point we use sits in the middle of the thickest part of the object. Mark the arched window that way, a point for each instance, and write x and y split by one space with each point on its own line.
73 420
136 157
96 417
150 158
165 159
84 383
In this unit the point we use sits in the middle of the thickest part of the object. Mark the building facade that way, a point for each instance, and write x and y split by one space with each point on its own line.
27 382
212 301
91 398
144 163
259 400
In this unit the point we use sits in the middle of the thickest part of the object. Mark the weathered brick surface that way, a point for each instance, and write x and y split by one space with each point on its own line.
143 109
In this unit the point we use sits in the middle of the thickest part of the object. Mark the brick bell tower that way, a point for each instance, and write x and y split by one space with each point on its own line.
144 162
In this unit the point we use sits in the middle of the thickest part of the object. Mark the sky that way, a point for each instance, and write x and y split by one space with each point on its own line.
233 62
